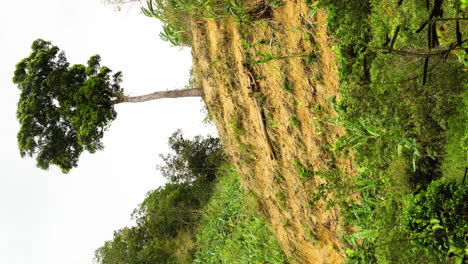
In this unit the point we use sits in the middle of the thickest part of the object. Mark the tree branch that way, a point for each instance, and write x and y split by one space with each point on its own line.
195 92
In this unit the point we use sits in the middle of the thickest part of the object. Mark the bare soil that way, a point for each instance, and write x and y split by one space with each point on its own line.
272 112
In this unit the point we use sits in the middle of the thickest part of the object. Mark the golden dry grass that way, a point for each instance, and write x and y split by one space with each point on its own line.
265 128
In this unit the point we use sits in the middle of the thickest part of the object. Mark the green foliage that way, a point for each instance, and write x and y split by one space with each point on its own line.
171 208
397 127
456 151
266 56
62 110
231 230
304 172
464 3
196 159
437 217
276 3
294 121
175 17
236 126
163 221
287 86
184 223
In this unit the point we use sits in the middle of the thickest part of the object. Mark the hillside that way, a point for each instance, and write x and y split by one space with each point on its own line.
345 122
267 86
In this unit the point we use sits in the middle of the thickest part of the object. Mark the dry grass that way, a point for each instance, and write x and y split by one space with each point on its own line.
266 142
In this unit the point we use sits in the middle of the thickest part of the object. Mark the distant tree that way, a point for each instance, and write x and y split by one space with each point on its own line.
130 246
196 159
165 213
64 110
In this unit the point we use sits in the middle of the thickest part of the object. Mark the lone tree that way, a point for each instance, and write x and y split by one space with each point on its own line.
64 110
192 160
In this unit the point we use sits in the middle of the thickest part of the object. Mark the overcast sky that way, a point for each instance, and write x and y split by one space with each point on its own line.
47 217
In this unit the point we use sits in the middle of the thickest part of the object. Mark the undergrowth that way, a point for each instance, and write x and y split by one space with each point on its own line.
403 82
231 230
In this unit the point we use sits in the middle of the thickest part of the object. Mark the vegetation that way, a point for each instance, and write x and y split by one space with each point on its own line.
179 16
194 160
64 110
165 226
404 108
185 222
403 82
232 231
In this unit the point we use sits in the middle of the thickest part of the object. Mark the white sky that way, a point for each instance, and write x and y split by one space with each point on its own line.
47 217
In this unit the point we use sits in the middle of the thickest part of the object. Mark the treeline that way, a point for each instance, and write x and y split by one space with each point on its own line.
171 222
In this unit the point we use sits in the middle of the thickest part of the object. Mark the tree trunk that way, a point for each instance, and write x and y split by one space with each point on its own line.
195 92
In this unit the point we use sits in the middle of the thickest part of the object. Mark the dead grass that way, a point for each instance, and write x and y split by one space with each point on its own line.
265 144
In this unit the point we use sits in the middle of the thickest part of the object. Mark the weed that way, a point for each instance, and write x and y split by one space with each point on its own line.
302 171
287 86
246 44
231 230
236 126
279 178
176 23
294 121
311 58
272 123
312 235
319 193
276 3
265 56
286 222
280 199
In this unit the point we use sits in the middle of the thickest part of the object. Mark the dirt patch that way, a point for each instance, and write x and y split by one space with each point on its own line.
267 85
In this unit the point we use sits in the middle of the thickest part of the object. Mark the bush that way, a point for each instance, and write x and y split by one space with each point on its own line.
437 218
196 159
176 21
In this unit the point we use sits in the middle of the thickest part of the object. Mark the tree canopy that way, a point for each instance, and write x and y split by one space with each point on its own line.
196 159
63 110
167 220
165 216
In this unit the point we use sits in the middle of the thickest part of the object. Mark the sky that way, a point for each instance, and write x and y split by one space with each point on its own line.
47 217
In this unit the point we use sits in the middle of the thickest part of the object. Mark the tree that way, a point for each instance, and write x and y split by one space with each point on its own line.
196 159
64 110
161 221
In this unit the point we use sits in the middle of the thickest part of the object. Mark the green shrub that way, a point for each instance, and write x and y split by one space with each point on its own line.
437 218
175 18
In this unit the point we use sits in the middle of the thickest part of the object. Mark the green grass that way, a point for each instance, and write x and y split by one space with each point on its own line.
236 126
196 222
304 172
288 87
294 121
232 231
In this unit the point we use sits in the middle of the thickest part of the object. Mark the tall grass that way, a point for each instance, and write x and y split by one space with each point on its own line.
231 230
